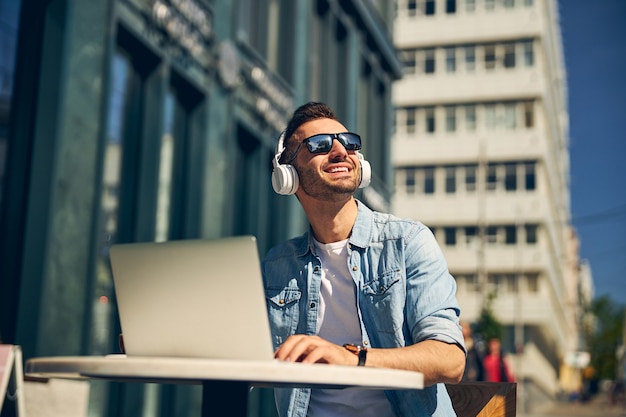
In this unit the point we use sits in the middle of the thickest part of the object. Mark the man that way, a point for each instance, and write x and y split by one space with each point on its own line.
473 365
360 287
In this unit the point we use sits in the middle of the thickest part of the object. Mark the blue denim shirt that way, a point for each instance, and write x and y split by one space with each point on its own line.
405 295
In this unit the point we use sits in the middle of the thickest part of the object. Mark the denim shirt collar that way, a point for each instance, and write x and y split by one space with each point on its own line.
361 231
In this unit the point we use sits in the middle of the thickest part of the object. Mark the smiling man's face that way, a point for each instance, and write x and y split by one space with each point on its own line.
325 176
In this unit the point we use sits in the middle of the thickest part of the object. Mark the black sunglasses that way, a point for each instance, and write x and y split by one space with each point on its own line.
323 143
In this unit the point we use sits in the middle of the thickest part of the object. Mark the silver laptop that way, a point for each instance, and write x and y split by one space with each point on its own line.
192 298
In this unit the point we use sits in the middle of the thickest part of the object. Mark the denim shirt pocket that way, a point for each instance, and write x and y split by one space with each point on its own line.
385 295
380 285
283 311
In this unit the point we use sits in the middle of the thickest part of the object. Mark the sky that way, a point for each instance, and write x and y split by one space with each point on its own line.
594 45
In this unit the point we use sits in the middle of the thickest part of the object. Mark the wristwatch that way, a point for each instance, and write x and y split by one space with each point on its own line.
360 351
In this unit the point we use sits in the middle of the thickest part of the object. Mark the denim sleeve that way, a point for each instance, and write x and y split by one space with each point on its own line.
431 306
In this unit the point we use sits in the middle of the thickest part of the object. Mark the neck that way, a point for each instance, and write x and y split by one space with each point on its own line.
331 221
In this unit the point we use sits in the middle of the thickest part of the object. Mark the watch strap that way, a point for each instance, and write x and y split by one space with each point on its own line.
360 351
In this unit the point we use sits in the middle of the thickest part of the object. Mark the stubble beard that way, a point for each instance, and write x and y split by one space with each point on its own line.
320 189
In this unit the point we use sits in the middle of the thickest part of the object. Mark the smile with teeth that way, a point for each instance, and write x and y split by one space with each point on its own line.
338 169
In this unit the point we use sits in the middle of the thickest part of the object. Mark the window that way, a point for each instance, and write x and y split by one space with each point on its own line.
409 62
470 58
510 283
409 180
528 3
491 234
410 119
490 4
529 114
471 282
470 117
470 177
531 233
412 7
490 116
529 55
450 6
450 118
510 116
450 236
471 234
509 4
429 180
429 61
470 5
495 283
450 59
509 55
429 114
532 282
510 177
492 177
529 176
165 169
450 179
510 235
121 97
490 56
429 8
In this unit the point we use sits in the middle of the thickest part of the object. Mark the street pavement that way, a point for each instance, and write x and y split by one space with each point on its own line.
597 406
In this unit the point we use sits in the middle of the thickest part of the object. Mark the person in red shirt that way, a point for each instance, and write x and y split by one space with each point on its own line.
496 367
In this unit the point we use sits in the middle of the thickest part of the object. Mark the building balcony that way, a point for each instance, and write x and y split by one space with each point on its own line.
466 208
443 148
460 87
438 29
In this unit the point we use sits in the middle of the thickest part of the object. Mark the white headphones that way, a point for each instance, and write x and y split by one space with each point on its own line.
285 177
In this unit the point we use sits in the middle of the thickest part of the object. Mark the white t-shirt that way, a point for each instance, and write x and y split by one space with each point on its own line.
338 322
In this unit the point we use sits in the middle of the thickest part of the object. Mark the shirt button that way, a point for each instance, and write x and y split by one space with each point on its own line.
281 302
355 268
312 305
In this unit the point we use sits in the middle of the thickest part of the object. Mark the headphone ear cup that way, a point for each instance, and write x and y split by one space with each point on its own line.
366 172
285 179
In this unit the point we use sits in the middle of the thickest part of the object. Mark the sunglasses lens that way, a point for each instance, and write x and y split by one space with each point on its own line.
351 141
319 143
324 142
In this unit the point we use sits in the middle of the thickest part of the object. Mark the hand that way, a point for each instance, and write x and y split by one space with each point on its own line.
314 349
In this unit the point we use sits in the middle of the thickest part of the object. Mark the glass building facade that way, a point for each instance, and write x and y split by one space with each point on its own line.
154 120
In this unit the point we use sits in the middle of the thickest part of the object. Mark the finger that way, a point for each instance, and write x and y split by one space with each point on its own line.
301 349
293 348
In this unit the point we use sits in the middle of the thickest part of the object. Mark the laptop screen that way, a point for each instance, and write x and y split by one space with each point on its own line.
192 298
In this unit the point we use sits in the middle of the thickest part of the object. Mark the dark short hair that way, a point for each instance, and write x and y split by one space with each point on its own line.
305 113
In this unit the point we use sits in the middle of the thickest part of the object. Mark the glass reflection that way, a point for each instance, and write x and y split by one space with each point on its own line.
166 163
109 203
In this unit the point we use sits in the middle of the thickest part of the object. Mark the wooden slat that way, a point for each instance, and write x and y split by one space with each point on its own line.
484 399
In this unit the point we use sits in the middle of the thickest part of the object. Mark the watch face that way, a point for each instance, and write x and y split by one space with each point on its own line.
353 348
357 350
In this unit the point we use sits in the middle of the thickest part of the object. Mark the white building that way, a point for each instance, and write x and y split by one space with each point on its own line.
480 151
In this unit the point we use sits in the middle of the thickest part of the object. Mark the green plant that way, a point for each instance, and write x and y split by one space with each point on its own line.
488 326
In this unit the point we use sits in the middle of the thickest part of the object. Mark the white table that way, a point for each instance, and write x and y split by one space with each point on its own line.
226 383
